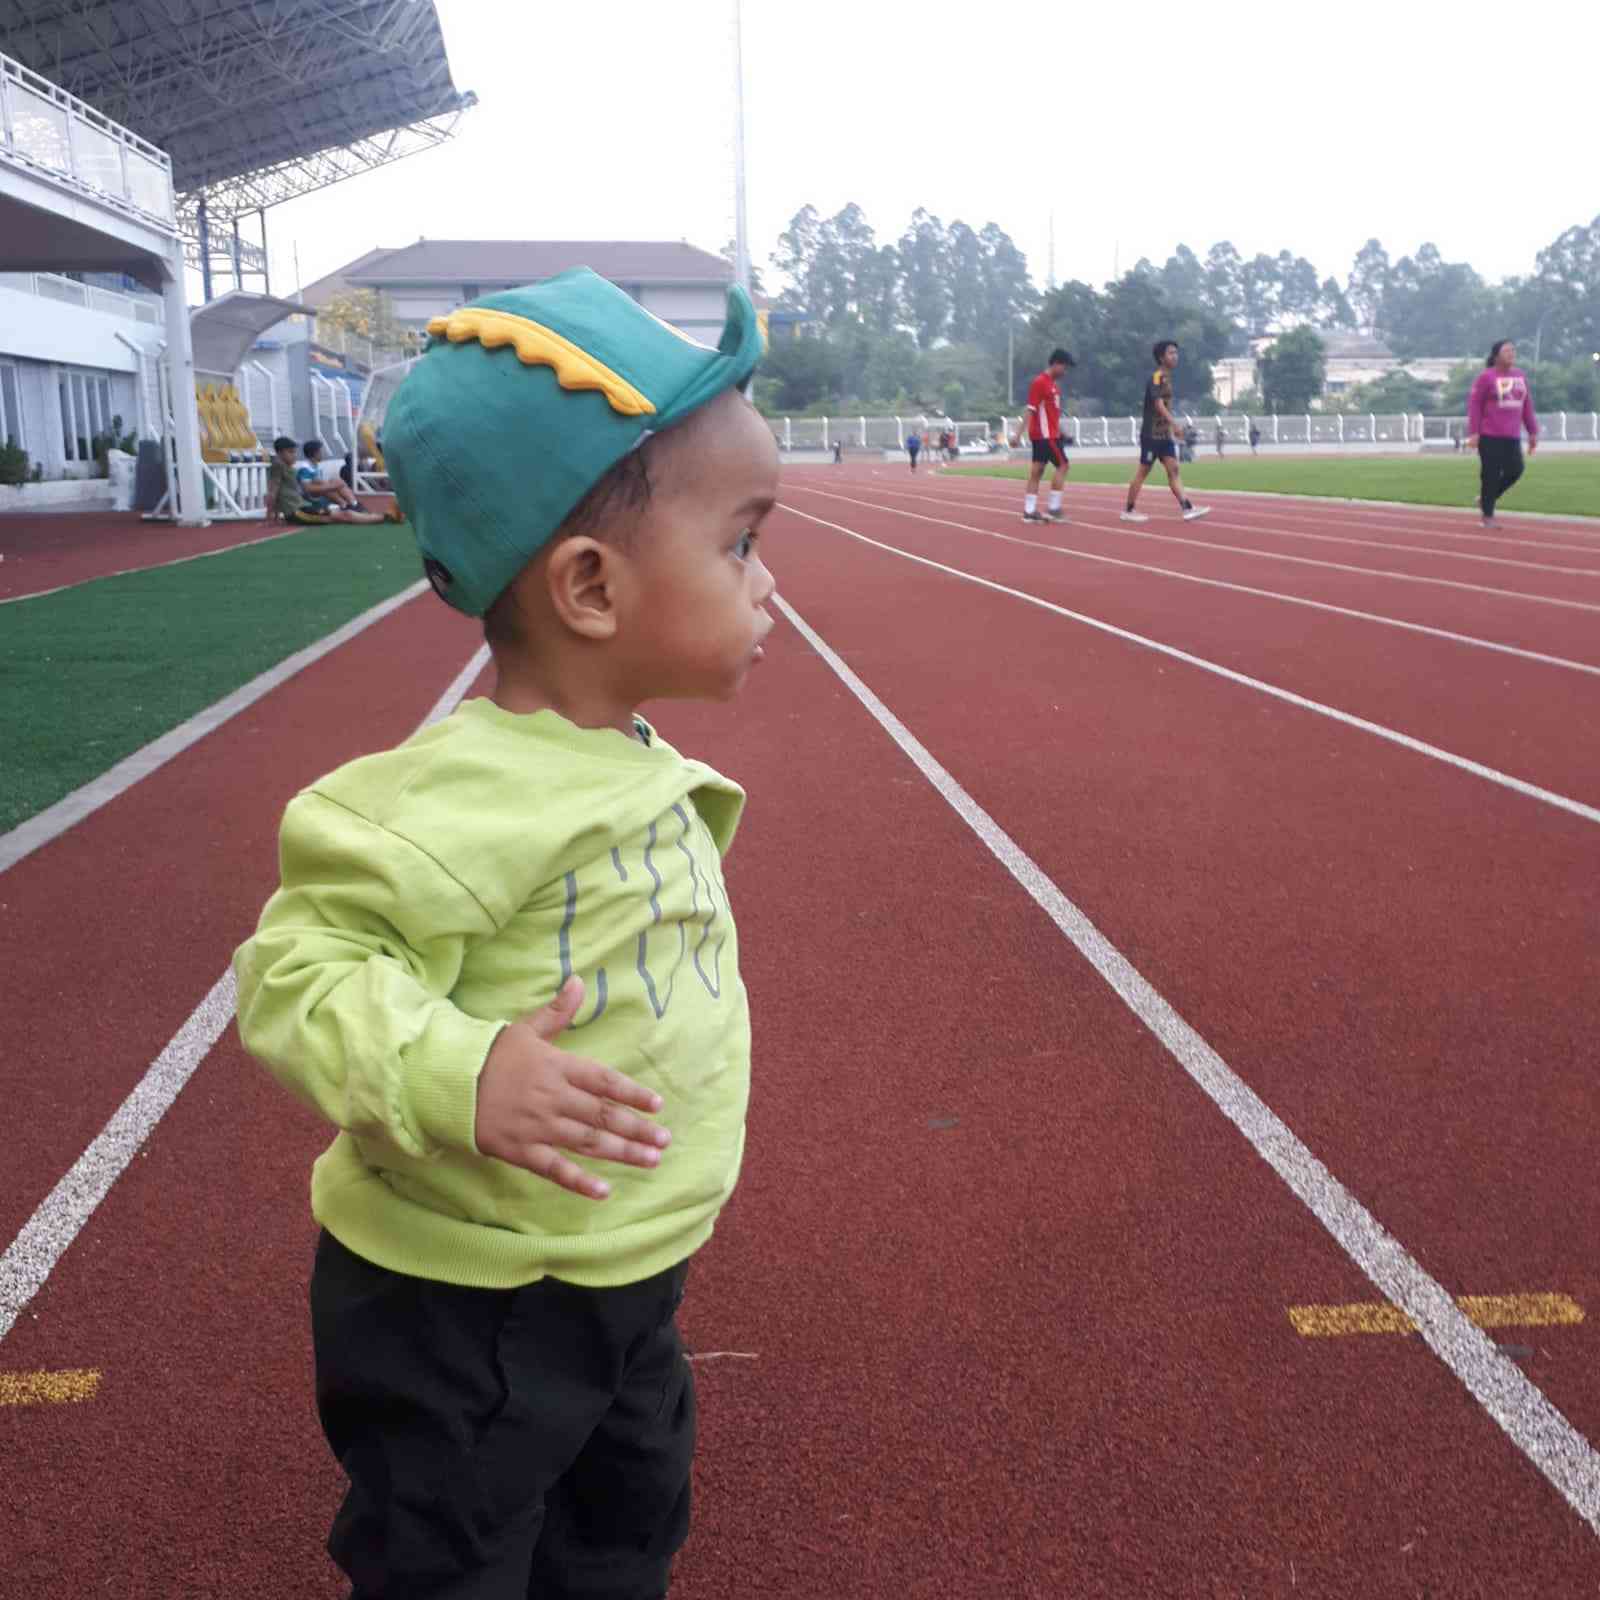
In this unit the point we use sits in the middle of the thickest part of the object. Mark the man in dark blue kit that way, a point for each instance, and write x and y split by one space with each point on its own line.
1158 438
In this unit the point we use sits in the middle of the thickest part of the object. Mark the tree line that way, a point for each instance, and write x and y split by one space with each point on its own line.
932 321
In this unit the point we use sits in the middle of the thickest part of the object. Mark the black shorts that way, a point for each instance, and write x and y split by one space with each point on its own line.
1154 450
503 1441
1048 453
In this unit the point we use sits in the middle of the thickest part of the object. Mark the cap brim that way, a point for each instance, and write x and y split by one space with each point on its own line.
738 353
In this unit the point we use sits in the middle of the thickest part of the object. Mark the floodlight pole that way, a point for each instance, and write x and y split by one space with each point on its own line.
741 232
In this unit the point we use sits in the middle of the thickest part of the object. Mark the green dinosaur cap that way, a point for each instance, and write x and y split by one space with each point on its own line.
523 401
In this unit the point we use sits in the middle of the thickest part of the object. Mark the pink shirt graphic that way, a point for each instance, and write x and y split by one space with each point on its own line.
1501 406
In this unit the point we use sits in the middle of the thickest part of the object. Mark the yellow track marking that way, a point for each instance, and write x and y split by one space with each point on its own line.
48 1388
1485 1310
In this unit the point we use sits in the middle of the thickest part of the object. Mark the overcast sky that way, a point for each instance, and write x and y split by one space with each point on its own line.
1406 119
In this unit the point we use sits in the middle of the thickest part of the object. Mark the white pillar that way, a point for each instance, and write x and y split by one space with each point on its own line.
188 493
1563 426
824 433
863 433
1341 427
788 435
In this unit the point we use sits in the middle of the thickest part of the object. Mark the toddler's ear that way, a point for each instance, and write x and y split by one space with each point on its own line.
579 580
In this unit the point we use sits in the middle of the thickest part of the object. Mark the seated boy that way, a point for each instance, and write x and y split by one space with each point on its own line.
322 484
503 950
287 499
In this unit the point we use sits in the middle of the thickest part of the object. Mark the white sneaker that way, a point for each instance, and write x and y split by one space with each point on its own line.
1134 516
1195 513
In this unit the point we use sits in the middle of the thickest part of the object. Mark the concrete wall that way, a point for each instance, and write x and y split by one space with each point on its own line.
699 311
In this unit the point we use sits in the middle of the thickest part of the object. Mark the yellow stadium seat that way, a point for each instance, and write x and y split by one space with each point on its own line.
237 420
213 443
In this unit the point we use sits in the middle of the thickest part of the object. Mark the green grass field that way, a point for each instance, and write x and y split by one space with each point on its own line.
1568 485
93 672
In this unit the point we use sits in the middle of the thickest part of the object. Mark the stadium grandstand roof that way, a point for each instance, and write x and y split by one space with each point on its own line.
529 260
256 101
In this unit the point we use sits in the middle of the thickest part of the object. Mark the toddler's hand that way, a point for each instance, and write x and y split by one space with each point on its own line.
534 1101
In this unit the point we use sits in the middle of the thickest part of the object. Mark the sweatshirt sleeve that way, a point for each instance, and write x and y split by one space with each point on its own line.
343 989
1530 420
1475 403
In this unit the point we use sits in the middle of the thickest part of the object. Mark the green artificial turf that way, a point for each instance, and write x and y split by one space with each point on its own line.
1568 485
91 673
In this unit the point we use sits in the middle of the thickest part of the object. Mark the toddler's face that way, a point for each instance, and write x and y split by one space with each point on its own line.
697 604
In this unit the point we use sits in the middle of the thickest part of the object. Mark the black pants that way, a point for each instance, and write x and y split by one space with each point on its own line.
1500 461
518 1444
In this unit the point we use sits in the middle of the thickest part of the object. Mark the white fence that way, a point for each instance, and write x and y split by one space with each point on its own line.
1313 430
356 346
865 433
1316 429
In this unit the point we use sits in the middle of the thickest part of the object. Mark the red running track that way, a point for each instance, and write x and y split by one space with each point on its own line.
1014 1290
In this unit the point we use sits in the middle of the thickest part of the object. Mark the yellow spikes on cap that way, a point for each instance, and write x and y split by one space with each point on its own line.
537 345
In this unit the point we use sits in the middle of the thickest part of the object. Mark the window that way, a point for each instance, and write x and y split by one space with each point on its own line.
10 405
85 411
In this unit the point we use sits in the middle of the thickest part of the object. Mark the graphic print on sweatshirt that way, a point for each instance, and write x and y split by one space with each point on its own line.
637 923
1510 392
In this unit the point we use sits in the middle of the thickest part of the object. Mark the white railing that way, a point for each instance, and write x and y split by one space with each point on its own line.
1315 430
259 390
1319 430
49 131
333 415
52 286
356 346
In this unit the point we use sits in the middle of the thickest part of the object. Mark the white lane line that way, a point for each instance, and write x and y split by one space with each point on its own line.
1522 1410
1404 511
155 566
1377 729
1225 500
32 1255
71 809
1238 588
1112 530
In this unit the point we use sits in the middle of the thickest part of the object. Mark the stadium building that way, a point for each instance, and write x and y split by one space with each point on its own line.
140 144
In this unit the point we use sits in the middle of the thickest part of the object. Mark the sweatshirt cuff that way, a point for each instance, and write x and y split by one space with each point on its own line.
441 1076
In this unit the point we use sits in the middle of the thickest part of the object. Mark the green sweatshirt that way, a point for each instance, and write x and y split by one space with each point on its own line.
434 892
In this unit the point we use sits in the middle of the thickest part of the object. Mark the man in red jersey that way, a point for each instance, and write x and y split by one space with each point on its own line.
1043 421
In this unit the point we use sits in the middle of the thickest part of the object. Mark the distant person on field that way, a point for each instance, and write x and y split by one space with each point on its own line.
1042 424
1255 438
501 961
913 445
1498 409
1222 439
287 499
838 452
1159 433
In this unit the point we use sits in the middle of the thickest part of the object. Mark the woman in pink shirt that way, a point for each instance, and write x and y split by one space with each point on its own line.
1498 409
